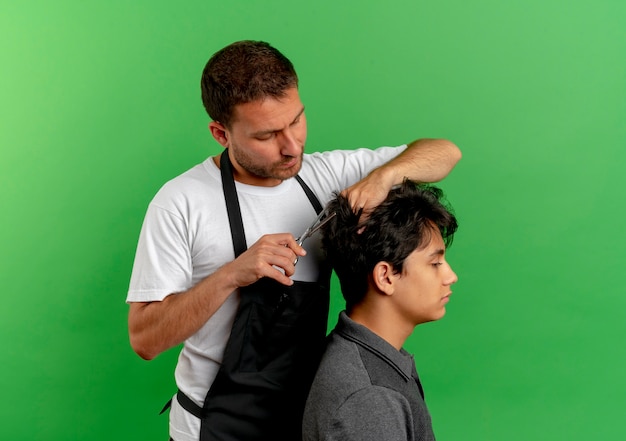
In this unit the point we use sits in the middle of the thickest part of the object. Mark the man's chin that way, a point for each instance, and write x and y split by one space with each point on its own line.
287 171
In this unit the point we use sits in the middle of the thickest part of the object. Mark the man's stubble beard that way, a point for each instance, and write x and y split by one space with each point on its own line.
274 171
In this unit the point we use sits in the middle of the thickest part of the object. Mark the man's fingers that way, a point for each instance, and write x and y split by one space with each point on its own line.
274 256
294 246
359 212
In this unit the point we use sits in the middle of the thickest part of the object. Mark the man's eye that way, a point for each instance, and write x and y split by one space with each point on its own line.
436 264
265 137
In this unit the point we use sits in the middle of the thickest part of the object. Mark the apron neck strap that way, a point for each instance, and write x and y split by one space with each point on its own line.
232 205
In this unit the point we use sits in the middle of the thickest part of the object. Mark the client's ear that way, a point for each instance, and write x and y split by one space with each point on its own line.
384 277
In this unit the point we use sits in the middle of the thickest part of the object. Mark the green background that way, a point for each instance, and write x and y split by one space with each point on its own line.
100 105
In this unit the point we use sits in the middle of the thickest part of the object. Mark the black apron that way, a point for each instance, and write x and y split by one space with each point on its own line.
273 351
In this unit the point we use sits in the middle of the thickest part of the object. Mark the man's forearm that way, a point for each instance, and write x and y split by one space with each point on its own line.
157 326
424 160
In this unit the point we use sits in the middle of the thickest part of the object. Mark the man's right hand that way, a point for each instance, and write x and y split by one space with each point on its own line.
273 256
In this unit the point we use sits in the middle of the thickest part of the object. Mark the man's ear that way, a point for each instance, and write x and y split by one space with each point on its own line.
219 132
384 277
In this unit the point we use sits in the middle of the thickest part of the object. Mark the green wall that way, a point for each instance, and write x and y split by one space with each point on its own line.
99 105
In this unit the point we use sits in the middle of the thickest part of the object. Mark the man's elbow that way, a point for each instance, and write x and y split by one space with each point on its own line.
142 349
141 340
454 152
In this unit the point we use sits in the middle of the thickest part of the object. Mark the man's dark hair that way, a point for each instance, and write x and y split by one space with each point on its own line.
242 72
402 223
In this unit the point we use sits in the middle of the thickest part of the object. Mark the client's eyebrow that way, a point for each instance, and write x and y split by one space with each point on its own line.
438 252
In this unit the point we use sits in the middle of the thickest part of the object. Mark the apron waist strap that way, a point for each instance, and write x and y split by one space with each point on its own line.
188 404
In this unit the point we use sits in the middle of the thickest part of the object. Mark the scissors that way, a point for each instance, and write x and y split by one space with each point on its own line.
318 223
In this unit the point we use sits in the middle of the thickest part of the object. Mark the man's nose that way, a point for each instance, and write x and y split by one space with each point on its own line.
289 144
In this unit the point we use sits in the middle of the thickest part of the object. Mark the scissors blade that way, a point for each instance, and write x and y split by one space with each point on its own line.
316 225
311 229
322 223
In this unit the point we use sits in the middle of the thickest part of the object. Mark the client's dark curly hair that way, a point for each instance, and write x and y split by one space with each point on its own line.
401 224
